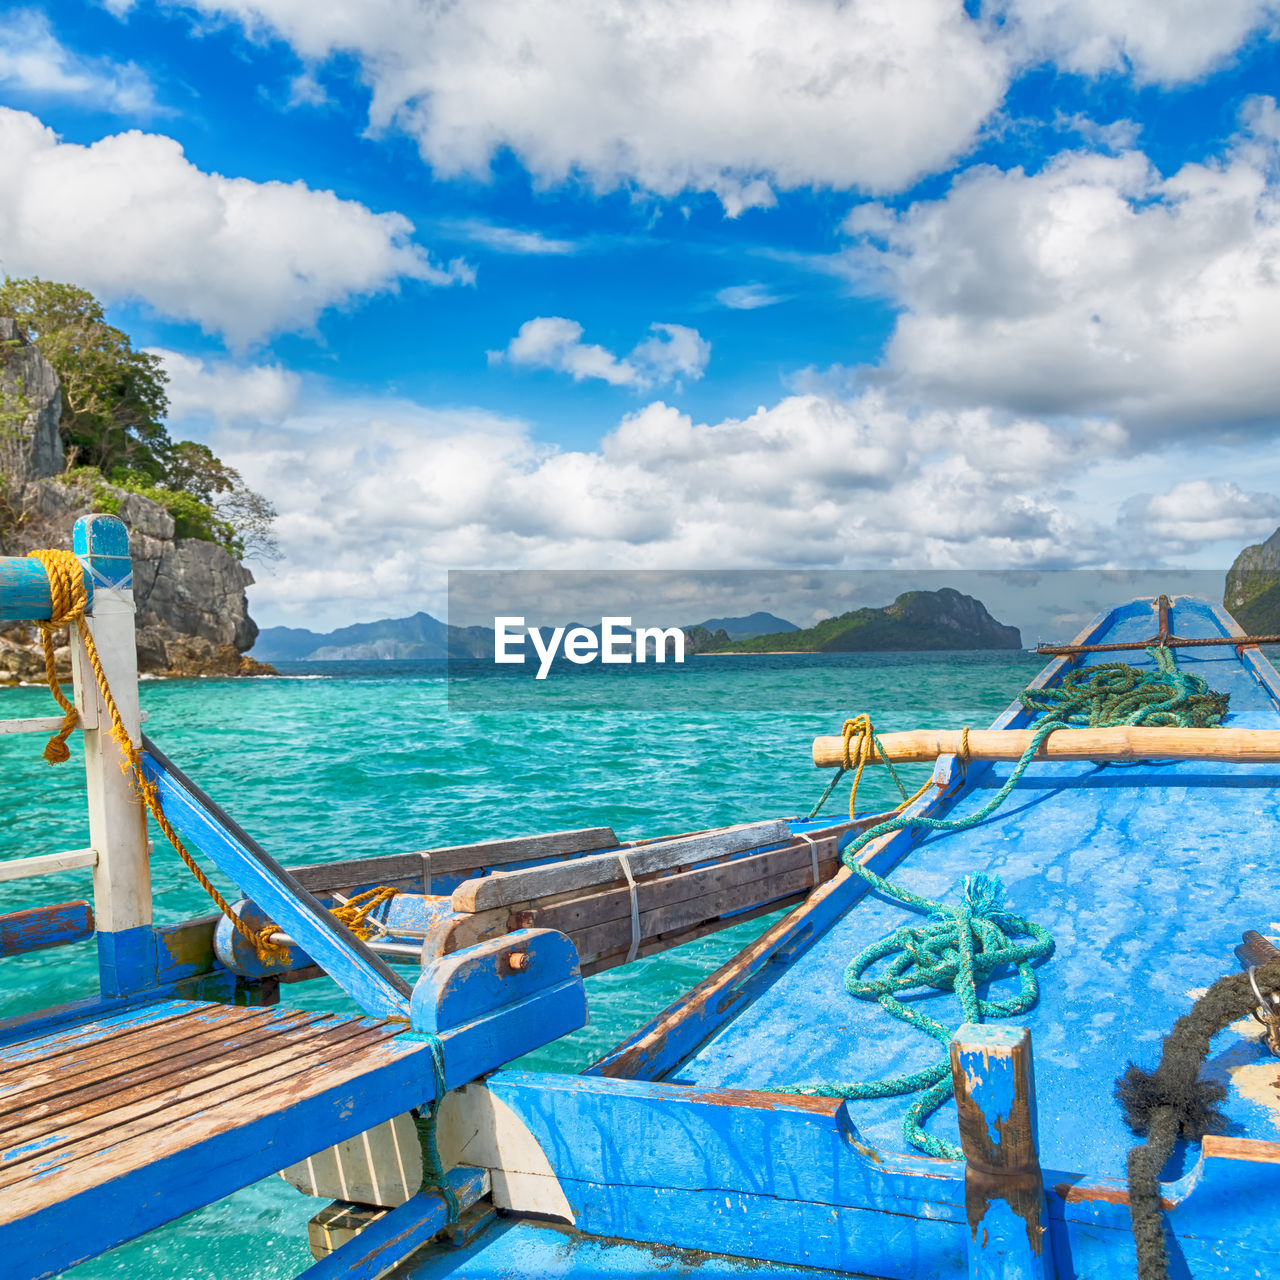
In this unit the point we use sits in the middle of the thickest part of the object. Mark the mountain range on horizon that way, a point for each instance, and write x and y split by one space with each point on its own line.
422 636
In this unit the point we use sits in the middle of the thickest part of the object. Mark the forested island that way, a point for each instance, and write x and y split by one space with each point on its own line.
916 620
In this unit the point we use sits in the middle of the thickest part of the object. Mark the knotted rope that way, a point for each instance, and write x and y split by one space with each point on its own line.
966 944
1172 1101
861 746
356 911
70 599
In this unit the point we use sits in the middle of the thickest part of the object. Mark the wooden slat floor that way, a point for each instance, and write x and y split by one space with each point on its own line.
88 1103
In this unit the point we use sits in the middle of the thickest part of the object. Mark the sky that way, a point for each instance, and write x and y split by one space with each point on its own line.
678 284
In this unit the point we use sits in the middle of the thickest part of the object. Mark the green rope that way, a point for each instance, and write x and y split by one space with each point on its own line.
433 1178
961 946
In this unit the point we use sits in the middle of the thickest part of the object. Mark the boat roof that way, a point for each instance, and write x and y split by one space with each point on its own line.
1145 874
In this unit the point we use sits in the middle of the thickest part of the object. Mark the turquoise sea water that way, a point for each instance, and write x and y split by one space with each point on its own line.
352 759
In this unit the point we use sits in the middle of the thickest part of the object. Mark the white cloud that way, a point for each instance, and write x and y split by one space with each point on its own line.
1094 286
1158 41
34 61
1118 135
131 217
1199 511
552 342
512 239
730 98
747 297
674 351
306 91
225 391
378 498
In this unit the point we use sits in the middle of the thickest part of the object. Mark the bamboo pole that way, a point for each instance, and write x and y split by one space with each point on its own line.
1126 742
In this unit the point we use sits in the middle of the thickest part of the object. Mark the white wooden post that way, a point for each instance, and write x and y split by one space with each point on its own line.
117 817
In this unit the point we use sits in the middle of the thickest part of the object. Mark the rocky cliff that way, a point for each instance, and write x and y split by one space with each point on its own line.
193 615
1252 594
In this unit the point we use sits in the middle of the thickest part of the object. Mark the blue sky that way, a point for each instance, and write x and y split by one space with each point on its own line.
682 286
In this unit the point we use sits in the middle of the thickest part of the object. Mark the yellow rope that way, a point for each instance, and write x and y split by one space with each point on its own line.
857 758
67 591
356 910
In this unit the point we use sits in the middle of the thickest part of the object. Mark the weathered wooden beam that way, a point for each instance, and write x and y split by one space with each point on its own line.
32 724
42 927
772 1177
398 869
682 915
505 888
45 864
1126 742
1004 1191
666 941
665 890
494 853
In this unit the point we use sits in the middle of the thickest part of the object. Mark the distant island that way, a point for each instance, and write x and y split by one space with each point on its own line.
943 619
424 637
754 624
389 639
916 620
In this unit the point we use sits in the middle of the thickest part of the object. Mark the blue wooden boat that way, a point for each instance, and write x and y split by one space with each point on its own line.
692 1148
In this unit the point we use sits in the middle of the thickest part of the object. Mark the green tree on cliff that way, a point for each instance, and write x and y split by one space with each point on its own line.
113 409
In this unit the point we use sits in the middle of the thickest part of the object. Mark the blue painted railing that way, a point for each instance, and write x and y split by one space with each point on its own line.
24 590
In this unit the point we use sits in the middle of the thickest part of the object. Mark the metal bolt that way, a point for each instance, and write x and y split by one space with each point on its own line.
518 960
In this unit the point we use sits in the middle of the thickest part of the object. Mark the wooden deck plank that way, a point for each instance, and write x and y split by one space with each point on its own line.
115 1055
232 1088
71 1176
109 1090
18 1054
43 1223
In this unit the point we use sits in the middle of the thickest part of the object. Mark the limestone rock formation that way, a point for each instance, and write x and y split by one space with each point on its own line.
193 615
1252 594
30 410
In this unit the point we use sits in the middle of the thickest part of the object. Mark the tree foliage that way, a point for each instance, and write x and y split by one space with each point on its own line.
113 397
113 408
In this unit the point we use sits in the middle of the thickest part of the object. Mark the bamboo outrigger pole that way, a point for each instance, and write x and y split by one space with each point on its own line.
1125 742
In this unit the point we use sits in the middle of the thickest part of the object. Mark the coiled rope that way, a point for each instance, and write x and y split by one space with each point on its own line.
965 944
70 599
